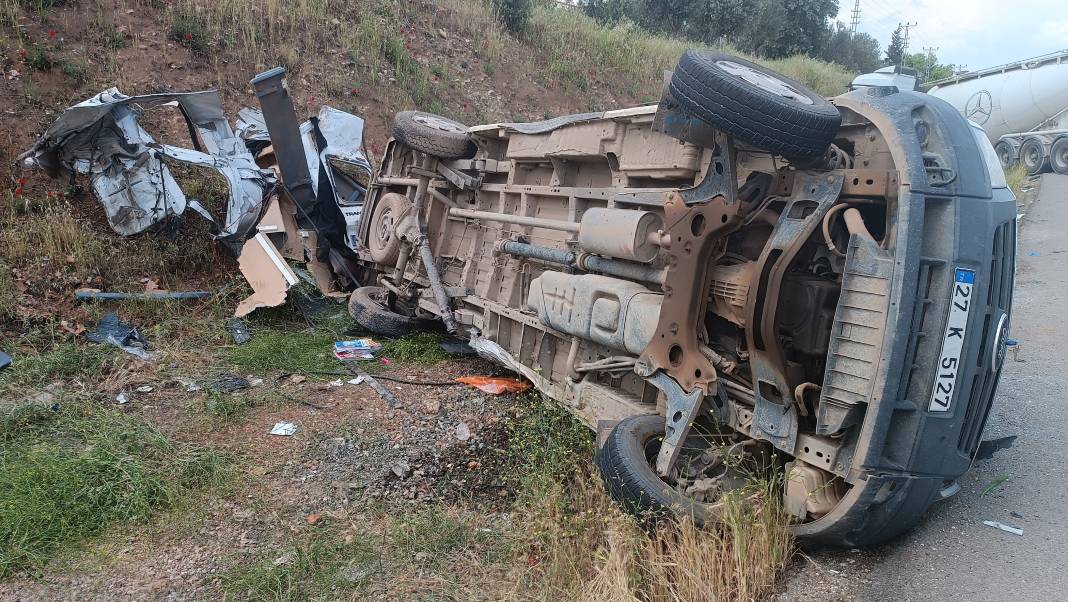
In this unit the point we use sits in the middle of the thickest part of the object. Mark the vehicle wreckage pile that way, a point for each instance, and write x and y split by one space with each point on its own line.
128 169
746 277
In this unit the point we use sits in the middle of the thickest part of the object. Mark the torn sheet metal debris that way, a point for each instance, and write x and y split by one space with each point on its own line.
112 331
102 138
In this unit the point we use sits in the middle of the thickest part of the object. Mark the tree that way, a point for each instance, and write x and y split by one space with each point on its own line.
896 50
610 11
928 67
854 51
769 28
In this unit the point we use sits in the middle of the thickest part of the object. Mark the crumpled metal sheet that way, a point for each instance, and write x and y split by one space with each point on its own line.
341 131
101 137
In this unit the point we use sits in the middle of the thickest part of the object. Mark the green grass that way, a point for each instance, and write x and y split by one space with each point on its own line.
1016 176
39 58
276 350
427 544
67 361
317 564
273 349
419 348
191 31
227 406
66 475
630 60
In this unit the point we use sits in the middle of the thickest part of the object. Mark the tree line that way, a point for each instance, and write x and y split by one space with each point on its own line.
767 28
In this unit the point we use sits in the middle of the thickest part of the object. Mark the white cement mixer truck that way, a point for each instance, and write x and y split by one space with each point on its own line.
1022 106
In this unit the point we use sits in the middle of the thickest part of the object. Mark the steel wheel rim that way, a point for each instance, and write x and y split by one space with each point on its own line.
764 81
437 123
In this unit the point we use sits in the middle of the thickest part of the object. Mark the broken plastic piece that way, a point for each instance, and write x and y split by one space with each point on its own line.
1003 527
228 383
110 330
284 429
495 385
267 272
238 330
5 360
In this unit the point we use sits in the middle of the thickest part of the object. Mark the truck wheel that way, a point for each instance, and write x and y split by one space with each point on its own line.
369 306
626 463
383 241
754 104
1006 154
433 134
1034 157
1058 155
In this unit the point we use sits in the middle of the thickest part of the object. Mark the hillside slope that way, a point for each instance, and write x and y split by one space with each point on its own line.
369 58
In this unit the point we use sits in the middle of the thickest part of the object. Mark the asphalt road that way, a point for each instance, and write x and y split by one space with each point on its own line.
952 555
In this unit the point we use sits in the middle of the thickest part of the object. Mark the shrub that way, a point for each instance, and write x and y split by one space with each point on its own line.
514 14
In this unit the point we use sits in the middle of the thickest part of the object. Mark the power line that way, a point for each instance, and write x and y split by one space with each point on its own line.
855 19
929 63
905 43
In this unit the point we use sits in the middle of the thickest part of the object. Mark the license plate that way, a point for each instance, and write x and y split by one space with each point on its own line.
945 386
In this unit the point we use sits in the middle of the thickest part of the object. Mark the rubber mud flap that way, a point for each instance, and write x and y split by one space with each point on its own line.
754 104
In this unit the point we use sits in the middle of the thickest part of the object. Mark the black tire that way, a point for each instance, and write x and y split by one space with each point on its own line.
1033 156
1006 153
369 306
433 134
1058 155
625 465
776 113
383 242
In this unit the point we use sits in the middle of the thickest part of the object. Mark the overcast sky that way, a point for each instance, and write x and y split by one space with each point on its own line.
976 33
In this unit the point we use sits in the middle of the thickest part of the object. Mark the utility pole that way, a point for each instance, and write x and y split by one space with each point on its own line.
929 63
905 45
855 19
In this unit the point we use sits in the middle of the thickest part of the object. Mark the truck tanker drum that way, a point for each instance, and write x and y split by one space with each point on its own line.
1016 104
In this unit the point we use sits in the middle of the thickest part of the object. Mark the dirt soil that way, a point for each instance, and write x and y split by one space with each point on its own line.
352 455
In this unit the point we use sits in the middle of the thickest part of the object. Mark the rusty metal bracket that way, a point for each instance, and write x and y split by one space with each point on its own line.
682 409
775 414
697 219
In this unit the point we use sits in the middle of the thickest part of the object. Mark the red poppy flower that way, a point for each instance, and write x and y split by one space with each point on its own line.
188 37
18 192
52 33
22 182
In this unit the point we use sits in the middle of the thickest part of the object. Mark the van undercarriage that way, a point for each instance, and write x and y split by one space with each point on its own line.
701 291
